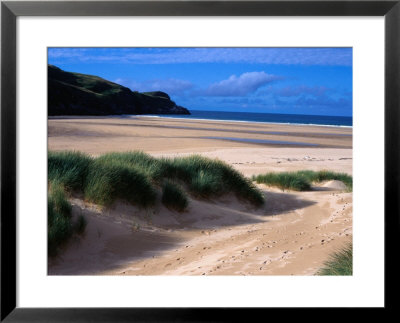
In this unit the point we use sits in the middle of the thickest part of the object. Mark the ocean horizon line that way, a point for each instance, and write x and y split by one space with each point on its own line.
257 117
273 113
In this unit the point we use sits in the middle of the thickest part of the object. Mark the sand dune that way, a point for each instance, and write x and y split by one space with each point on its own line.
292 234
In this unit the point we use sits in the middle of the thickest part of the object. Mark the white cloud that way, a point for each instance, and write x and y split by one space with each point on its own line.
240 85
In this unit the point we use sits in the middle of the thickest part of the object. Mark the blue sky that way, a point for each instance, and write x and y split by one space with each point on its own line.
314 81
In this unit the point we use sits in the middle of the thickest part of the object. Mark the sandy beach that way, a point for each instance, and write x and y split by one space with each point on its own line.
293 233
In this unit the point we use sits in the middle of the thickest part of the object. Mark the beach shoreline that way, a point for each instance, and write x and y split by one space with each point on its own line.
146 127
180 117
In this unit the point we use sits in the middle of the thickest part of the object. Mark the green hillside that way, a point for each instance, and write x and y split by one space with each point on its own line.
82 94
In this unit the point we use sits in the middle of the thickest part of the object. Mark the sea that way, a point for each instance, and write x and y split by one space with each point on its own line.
300 119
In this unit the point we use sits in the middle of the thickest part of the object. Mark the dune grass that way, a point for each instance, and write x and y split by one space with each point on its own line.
204 177
284 180
327 175
69 169
60 226
339 264
108 181
208 178
140 161
136 176
302 180
173 197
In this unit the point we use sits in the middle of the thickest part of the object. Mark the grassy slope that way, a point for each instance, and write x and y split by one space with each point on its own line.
174 197
339 264
81 94
302 180
136 177
60 225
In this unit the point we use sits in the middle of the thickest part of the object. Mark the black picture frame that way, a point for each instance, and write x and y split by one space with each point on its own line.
10 10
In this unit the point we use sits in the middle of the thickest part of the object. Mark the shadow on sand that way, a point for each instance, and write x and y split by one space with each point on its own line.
280 203
110 241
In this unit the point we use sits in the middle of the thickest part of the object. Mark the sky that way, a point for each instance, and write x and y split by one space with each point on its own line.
314 81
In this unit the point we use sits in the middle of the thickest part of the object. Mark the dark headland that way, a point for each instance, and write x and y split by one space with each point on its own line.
81 94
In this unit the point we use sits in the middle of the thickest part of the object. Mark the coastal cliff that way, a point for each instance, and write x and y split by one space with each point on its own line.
81 94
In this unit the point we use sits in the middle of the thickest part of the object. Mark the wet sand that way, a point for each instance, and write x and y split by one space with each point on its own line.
151 134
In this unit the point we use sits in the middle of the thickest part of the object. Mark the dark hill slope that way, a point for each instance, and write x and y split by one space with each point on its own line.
81 94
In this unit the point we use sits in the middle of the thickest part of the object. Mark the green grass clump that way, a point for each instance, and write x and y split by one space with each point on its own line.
212 178
155 169
59 218
327 176
134 177
204 184
59 221
108 181
69 168
57 199
285 180
339 264
203 177
302 180
174 197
